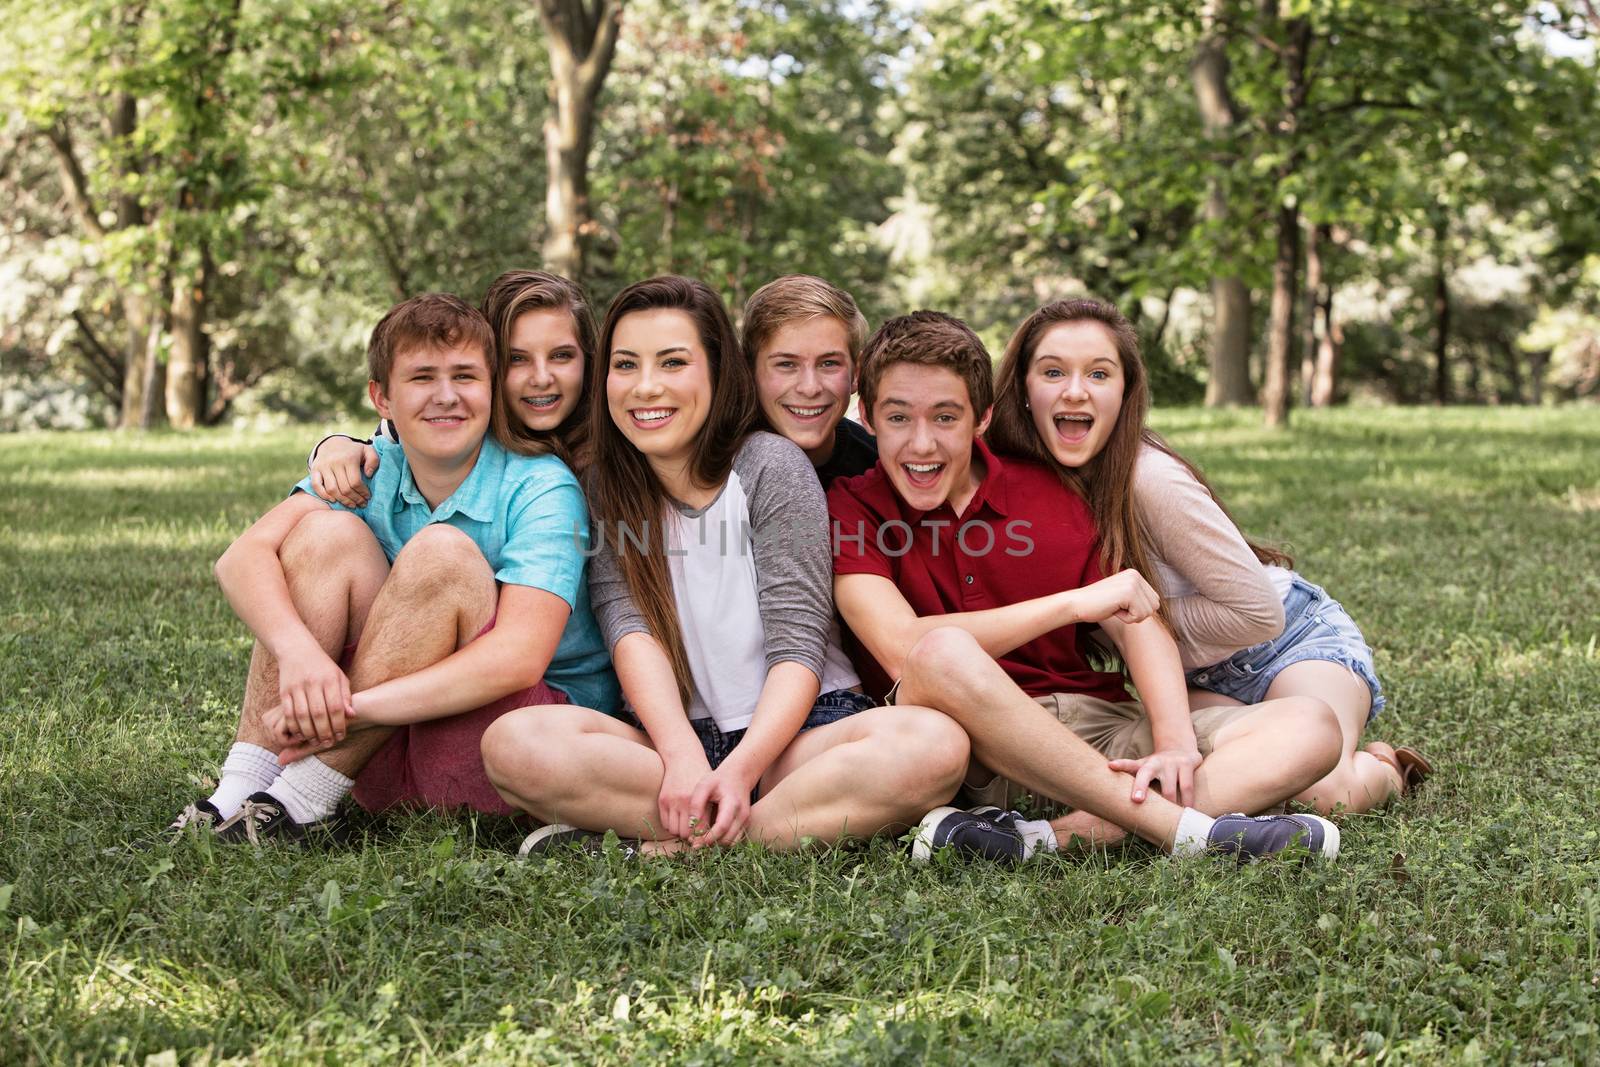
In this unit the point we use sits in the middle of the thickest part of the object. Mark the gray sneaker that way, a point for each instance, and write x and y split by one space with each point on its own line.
1264 835
983 833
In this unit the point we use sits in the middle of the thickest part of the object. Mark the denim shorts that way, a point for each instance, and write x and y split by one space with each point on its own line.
1315 628
717 743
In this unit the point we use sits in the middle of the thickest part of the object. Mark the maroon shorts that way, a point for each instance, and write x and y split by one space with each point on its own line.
439 763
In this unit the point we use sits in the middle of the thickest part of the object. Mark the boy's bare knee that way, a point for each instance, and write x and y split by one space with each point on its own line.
324 539
438 545
939 658
442 559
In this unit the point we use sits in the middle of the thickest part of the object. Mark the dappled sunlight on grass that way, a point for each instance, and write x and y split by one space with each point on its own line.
1460 925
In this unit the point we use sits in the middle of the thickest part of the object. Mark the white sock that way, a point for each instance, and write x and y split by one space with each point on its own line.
248 769
1036 834
1194 833
310 789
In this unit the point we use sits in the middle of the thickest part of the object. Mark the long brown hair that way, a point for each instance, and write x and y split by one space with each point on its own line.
508 298
626 499
1106 481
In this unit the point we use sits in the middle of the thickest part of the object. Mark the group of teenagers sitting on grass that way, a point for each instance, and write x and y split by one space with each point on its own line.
648 579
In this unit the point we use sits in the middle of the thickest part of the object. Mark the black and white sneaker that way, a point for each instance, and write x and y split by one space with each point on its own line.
201 817
558 836
983 833
262 818
1251 838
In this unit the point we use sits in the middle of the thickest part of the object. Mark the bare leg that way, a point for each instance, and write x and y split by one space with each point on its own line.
1360 781
1014 736
438 596
334 568
881 769
567 764
1256 761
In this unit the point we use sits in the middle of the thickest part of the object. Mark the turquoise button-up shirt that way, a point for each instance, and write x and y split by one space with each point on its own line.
528 517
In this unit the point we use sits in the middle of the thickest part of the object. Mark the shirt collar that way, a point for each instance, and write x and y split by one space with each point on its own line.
474 497
992 490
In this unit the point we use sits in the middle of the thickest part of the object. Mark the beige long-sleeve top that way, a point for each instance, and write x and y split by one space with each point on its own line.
1220 598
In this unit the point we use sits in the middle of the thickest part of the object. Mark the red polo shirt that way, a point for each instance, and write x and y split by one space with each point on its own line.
1023 535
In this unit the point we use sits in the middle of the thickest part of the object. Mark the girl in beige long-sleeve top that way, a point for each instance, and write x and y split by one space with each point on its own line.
1072 391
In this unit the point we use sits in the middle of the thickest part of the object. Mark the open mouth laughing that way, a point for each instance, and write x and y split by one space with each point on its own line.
1074 427
923 475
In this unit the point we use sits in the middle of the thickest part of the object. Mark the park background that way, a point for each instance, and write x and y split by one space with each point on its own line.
205 204
1366 234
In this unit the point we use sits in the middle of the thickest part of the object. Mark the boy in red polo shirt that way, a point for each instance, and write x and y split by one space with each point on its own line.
973 581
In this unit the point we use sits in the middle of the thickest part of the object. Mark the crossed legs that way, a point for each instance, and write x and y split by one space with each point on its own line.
1256 762
876 770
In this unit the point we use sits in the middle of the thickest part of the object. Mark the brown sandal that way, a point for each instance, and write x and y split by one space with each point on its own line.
1412 766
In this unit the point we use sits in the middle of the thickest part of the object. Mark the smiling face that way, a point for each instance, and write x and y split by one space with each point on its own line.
439 399
544 368
925 424
1075 387
658 384
804 380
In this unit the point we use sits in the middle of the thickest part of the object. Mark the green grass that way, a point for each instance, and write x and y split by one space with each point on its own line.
1463 925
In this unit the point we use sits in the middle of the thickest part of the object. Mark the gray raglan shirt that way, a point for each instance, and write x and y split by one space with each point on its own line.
752 575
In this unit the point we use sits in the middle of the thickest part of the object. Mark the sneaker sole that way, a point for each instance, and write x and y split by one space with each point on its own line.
1330 839
922 847
533 840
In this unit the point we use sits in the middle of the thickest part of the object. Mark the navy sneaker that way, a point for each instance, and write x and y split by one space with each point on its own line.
983 833
558 836
262 818
1264 835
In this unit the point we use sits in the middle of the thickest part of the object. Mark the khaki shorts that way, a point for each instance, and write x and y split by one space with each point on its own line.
1116 730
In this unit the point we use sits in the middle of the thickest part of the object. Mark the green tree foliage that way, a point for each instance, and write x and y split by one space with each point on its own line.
226 193
1059 145
744 141
204 204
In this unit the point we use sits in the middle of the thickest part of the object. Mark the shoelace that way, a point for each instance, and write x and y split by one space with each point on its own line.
190 814
254 816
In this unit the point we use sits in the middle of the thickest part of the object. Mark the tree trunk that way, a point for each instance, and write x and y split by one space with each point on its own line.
1313 298
1325 381
1275 389
155 381
669 224
136 312
581 36
1538 361
1229 380
186 364
1280 332
1513 365
1441 312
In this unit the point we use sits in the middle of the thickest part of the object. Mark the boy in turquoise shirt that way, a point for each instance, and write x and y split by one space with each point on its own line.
388 638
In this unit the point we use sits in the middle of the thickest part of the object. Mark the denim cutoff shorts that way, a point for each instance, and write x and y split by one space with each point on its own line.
1315 627
717 743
